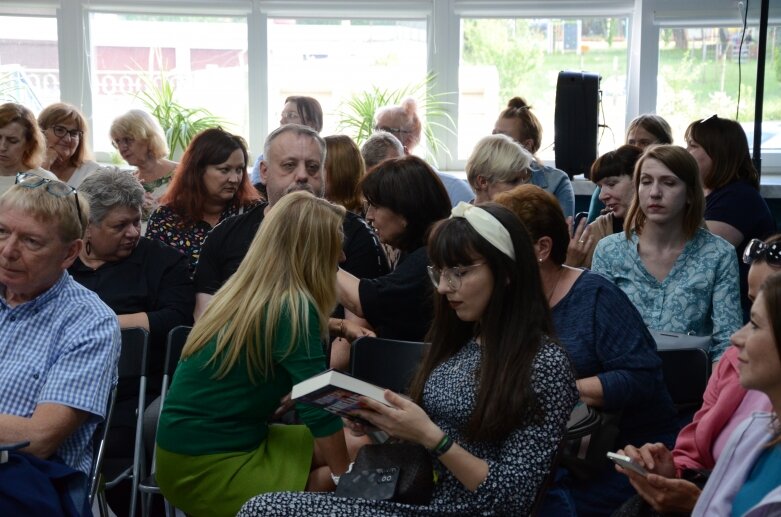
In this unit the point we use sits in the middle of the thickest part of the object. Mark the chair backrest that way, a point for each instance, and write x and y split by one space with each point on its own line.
133 355
686 373
177 337
386 362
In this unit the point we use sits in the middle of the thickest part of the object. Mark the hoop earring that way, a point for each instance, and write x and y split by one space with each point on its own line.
88 247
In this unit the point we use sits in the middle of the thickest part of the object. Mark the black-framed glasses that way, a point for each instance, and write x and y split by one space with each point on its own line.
119 142
395 131
54 187
452 275
61 131
757 249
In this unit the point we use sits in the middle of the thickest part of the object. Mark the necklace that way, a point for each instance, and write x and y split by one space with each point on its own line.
555 286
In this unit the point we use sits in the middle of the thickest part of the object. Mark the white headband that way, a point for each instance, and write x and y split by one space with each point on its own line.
487 226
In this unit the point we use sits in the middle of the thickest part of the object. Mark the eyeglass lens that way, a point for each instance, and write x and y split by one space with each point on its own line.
61 131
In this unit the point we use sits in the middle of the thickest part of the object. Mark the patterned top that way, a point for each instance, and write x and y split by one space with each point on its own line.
516 467
700 295
61 347
168 226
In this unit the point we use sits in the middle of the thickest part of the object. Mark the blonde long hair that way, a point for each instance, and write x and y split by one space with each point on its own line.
290 264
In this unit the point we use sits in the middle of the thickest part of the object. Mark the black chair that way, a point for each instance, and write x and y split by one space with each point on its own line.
131 369
388 363
686 374
177 338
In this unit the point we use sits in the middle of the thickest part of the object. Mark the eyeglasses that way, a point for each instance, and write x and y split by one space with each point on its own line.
54 187
119 142
290 115
757 249
452 275
61 131
395 131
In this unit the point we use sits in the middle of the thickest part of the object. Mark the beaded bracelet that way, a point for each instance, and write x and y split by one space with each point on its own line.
443 446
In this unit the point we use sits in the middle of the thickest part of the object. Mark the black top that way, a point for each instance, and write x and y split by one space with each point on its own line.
229 241
399 305
154 279
740 205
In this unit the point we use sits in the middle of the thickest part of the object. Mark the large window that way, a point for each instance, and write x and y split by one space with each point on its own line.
703 71
504 58
204 60
29 64
338 61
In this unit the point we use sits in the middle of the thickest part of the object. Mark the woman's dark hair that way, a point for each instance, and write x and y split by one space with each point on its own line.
529 125
541 214
620 162
187 192
511 329
309 111
727 145
409 187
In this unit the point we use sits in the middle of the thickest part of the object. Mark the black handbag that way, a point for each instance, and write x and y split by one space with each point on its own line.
401 472
588 441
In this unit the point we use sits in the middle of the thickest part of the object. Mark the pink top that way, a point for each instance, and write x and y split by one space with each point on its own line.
696 446
753 401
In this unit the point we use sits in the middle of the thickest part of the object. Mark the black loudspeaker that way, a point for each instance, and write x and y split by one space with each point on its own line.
576 121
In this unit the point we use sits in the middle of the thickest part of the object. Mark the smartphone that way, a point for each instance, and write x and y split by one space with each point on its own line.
627 463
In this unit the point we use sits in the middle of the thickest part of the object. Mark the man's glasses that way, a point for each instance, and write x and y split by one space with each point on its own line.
757 249
54 187
452 275
395 131
61 131
120 142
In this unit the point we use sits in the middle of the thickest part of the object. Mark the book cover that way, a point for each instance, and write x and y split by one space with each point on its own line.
336 392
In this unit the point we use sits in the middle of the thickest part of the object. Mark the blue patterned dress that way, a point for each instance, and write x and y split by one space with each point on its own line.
700 295
516 467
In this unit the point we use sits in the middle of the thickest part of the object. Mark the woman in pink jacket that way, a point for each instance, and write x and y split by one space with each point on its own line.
726 404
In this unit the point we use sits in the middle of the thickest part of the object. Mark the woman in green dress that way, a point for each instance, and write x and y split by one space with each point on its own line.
261 334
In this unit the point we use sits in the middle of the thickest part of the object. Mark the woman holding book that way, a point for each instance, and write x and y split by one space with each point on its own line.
260 335
492 395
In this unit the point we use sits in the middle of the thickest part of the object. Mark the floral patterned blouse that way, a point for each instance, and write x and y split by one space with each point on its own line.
167 226
700 294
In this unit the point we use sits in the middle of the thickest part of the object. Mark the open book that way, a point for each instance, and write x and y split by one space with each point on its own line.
336 392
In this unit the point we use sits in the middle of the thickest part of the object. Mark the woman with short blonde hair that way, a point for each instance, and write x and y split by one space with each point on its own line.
496 164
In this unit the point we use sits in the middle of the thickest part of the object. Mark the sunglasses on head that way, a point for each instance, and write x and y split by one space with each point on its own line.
757 249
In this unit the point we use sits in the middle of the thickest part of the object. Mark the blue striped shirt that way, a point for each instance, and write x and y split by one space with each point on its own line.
61 347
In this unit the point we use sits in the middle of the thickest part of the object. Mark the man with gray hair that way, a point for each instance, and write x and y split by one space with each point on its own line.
379 147
293 159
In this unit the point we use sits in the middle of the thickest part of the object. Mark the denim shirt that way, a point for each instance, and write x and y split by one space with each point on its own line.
557 183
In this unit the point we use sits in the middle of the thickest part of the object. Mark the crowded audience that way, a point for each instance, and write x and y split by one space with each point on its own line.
281 270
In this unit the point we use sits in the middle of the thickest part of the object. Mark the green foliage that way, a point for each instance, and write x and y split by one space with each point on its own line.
356 114
179 123
510 45
777 63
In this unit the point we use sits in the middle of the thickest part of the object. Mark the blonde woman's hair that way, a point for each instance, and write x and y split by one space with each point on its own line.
291 264
60 211
498 158
140 125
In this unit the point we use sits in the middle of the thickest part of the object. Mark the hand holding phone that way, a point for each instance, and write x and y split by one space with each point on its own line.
627 463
